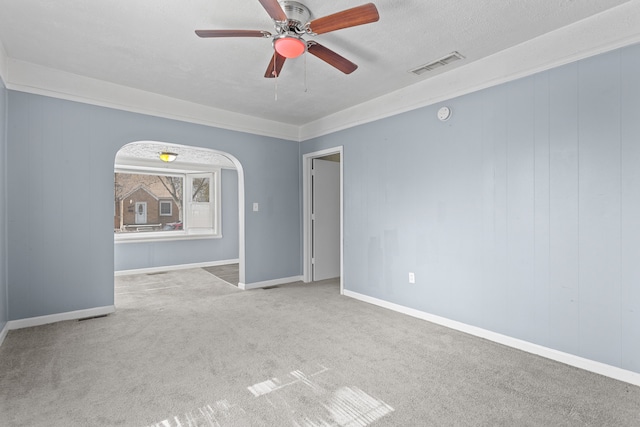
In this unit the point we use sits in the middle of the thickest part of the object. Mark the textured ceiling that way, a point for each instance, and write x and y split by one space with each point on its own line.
150 45
150 150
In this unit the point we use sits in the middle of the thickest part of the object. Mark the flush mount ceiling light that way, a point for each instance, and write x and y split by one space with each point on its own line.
167 157
290 47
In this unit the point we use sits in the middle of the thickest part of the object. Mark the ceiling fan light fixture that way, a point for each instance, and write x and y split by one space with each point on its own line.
167 157
292 21
289 47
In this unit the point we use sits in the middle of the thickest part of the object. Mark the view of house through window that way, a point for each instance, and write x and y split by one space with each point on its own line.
154 203
148 203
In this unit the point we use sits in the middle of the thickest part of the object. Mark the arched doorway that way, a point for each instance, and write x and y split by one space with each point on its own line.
158 203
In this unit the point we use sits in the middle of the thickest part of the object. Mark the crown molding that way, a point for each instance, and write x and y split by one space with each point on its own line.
609 30
32 78
3 64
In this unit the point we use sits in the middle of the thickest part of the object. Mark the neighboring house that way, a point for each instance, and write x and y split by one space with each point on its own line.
142 209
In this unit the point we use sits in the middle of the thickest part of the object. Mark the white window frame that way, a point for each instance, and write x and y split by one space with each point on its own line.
165 201
190 205
187 232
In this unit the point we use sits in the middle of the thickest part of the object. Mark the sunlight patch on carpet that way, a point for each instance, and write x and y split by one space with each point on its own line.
352 407
296 399
274 384
344 407
216 415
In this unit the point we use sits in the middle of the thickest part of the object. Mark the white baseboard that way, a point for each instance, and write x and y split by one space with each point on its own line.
4 332
267 283
59 317
559 356
175 267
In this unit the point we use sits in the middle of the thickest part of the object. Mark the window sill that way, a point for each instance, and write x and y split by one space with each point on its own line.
161 238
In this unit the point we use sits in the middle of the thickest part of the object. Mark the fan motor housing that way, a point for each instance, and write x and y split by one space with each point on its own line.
298 15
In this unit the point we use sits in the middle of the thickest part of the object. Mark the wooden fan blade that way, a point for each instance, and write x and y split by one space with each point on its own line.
274 10
332 58
275 66
232 33
360 15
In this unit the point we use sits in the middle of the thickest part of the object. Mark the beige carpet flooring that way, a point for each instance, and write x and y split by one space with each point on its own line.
187 349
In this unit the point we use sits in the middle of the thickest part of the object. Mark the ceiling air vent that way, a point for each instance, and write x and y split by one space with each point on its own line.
445 60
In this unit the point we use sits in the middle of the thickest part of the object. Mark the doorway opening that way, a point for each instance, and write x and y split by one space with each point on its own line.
322 176
171 215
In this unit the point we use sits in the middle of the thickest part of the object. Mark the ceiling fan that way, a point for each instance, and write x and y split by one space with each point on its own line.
292 22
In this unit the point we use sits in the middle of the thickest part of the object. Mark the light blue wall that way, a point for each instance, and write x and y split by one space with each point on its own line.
60 191
520 215
4 303
130 256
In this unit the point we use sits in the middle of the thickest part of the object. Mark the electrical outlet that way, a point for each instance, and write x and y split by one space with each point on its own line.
412 278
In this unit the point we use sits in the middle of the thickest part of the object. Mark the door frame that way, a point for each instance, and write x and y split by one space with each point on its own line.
306 212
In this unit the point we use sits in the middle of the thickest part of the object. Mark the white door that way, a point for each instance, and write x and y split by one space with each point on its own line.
325 219
141 212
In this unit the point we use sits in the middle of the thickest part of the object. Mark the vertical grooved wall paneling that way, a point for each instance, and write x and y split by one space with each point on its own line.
525 203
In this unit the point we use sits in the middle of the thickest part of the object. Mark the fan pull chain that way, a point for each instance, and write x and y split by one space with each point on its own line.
305 73
275 77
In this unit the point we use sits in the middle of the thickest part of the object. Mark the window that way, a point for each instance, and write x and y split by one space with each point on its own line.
166 208
150 204
200 214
